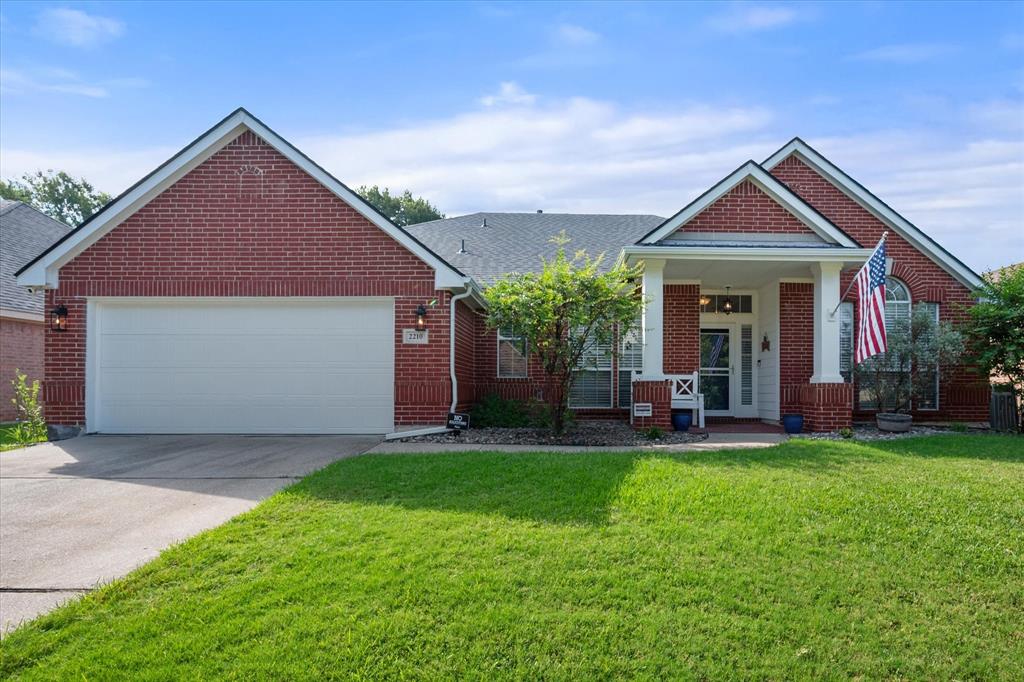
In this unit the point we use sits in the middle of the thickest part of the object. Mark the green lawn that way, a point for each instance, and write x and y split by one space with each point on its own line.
809 560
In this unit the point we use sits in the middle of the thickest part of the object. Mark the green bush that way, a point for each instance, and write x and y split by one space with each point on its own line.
958 427
30 426
653 433
494 410
846 432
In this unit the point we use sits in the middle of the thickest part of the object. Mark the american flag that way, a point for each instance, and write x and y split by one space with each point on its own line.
871 305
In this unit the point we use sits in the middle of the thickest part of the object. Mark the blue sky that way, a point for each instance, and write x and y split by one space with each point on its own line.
566 107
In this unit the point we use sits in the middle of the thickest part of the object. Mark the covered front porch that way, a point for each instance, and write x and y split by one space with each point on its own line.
743 334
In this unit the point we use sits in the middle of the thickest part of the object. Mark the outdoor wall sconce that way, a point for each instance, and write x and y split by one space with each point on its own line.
765 344
421 316
727 306
705 299
59 319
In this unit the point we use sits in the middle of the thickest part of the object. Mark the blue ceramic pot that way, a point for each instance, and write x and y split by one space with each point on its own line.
681 421
793 423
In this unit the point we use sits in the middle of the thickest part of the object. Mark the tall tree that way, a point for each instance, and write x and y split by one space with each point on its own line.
995 329
401 209
565 312
57 194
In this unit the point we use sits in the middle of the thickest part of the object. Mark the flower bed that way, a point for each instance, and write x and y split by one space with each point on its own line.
608 433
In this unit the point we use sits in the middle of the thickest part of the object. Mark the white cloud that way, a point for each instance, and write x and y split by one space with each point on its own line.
62 82
76 28
905 53
750 18
509 93
572 35
586 155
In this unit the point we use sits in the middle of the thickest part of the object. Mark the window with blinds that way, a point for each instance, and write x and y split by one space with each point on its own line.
631 359
846 340
898 307
746 365
592 382
512 355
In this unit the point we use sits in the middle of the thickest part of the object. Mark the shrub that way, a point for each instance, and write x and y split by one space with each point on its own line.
653 433
958 427
846 432
30 427
496 411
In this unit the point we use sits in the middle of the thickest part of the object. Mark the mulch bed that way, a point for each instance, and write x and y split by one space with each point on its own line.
870 432
607 433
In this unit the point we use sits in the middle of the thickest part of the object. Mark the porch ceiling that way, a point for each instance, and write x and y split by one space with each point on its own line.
739 274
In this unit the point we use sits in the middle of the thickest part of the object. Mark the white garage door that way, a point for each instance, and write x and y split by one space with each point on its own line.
242 366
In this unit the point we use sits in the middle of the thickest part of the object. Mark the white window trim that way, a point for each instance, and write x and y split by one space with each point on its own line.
610 370
497 359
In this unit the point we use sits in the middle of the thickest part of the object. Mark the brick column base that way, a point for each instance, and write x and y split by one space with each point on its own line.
659 395
827 407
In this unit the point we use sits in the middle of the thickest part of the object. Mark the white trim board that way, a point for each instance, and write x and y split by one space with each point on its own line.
767 184
43 272
878 208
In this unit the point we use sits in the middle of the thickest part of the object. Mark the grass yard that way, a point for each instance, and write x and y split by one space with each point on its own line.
810 560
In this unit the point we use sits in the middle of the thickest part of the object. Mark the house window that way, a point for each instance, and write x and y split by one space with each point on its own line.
746 365
512 357
592 382
631 359
929 400
898 310
741 303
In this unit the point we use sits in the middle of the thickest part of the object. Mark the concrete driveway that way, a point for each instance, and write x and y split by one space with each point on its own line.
81 512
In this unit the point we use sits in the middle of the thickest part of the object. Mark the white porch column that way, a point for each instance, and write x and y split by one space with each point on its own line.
826 325
653 319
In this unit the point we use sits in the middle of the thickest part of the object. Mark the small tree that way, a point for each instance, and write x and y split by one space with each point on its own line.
564 312
915 350
995 328
31 427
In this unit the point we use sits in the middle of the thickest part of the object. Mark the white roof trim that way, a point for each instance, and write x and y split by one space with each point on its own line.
44 271
853 189
816 254
767 184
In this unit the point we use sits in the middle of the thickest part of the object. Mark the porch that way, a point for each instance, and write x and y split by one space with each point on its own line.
749 334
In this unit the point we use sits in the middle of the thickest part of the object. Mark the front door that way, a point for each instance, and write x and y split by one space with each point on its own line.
716 349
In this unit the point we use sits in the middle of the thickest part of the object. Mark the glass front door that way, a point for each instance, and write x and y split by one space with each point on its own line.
715 368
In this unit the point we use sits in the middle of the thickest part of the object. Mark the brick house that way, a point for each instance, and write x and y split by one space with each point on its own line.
24 234
240 288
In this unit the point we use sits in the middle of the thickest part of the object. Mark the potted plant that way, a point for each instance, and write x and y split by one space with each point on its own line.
917 351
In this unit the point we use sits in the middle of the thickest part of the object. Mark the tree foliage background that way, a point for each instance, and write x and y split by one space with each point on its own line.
995 329
401 209
57 194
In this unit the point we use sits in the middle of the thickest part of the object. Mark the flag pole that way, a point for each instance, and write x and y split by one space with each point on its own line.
854 280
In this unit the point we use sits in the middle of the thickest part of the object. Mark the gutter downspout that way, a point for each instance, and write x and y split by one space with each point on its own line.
451 369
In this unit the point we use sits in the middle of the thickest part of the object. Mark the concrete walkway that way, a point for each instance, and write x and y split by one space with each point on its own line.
714 441
84 511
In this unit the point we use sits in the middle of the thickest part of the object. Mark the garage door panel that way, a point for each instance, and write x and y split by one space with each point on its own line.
230 366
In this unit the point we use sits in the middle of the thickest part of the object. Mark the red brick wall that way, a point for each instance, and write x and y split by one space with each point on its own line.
682 328
963 395
826 407
218 233
21 348
745 208
796 342
465 355
659 394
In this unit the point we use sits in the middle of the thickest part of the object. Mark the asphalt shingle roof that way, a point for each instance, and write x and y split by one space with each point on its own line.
515 242
24 234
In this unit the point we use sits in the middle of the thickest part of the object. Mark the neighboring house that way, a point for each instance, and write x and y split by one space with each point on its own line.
240 288
24 234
